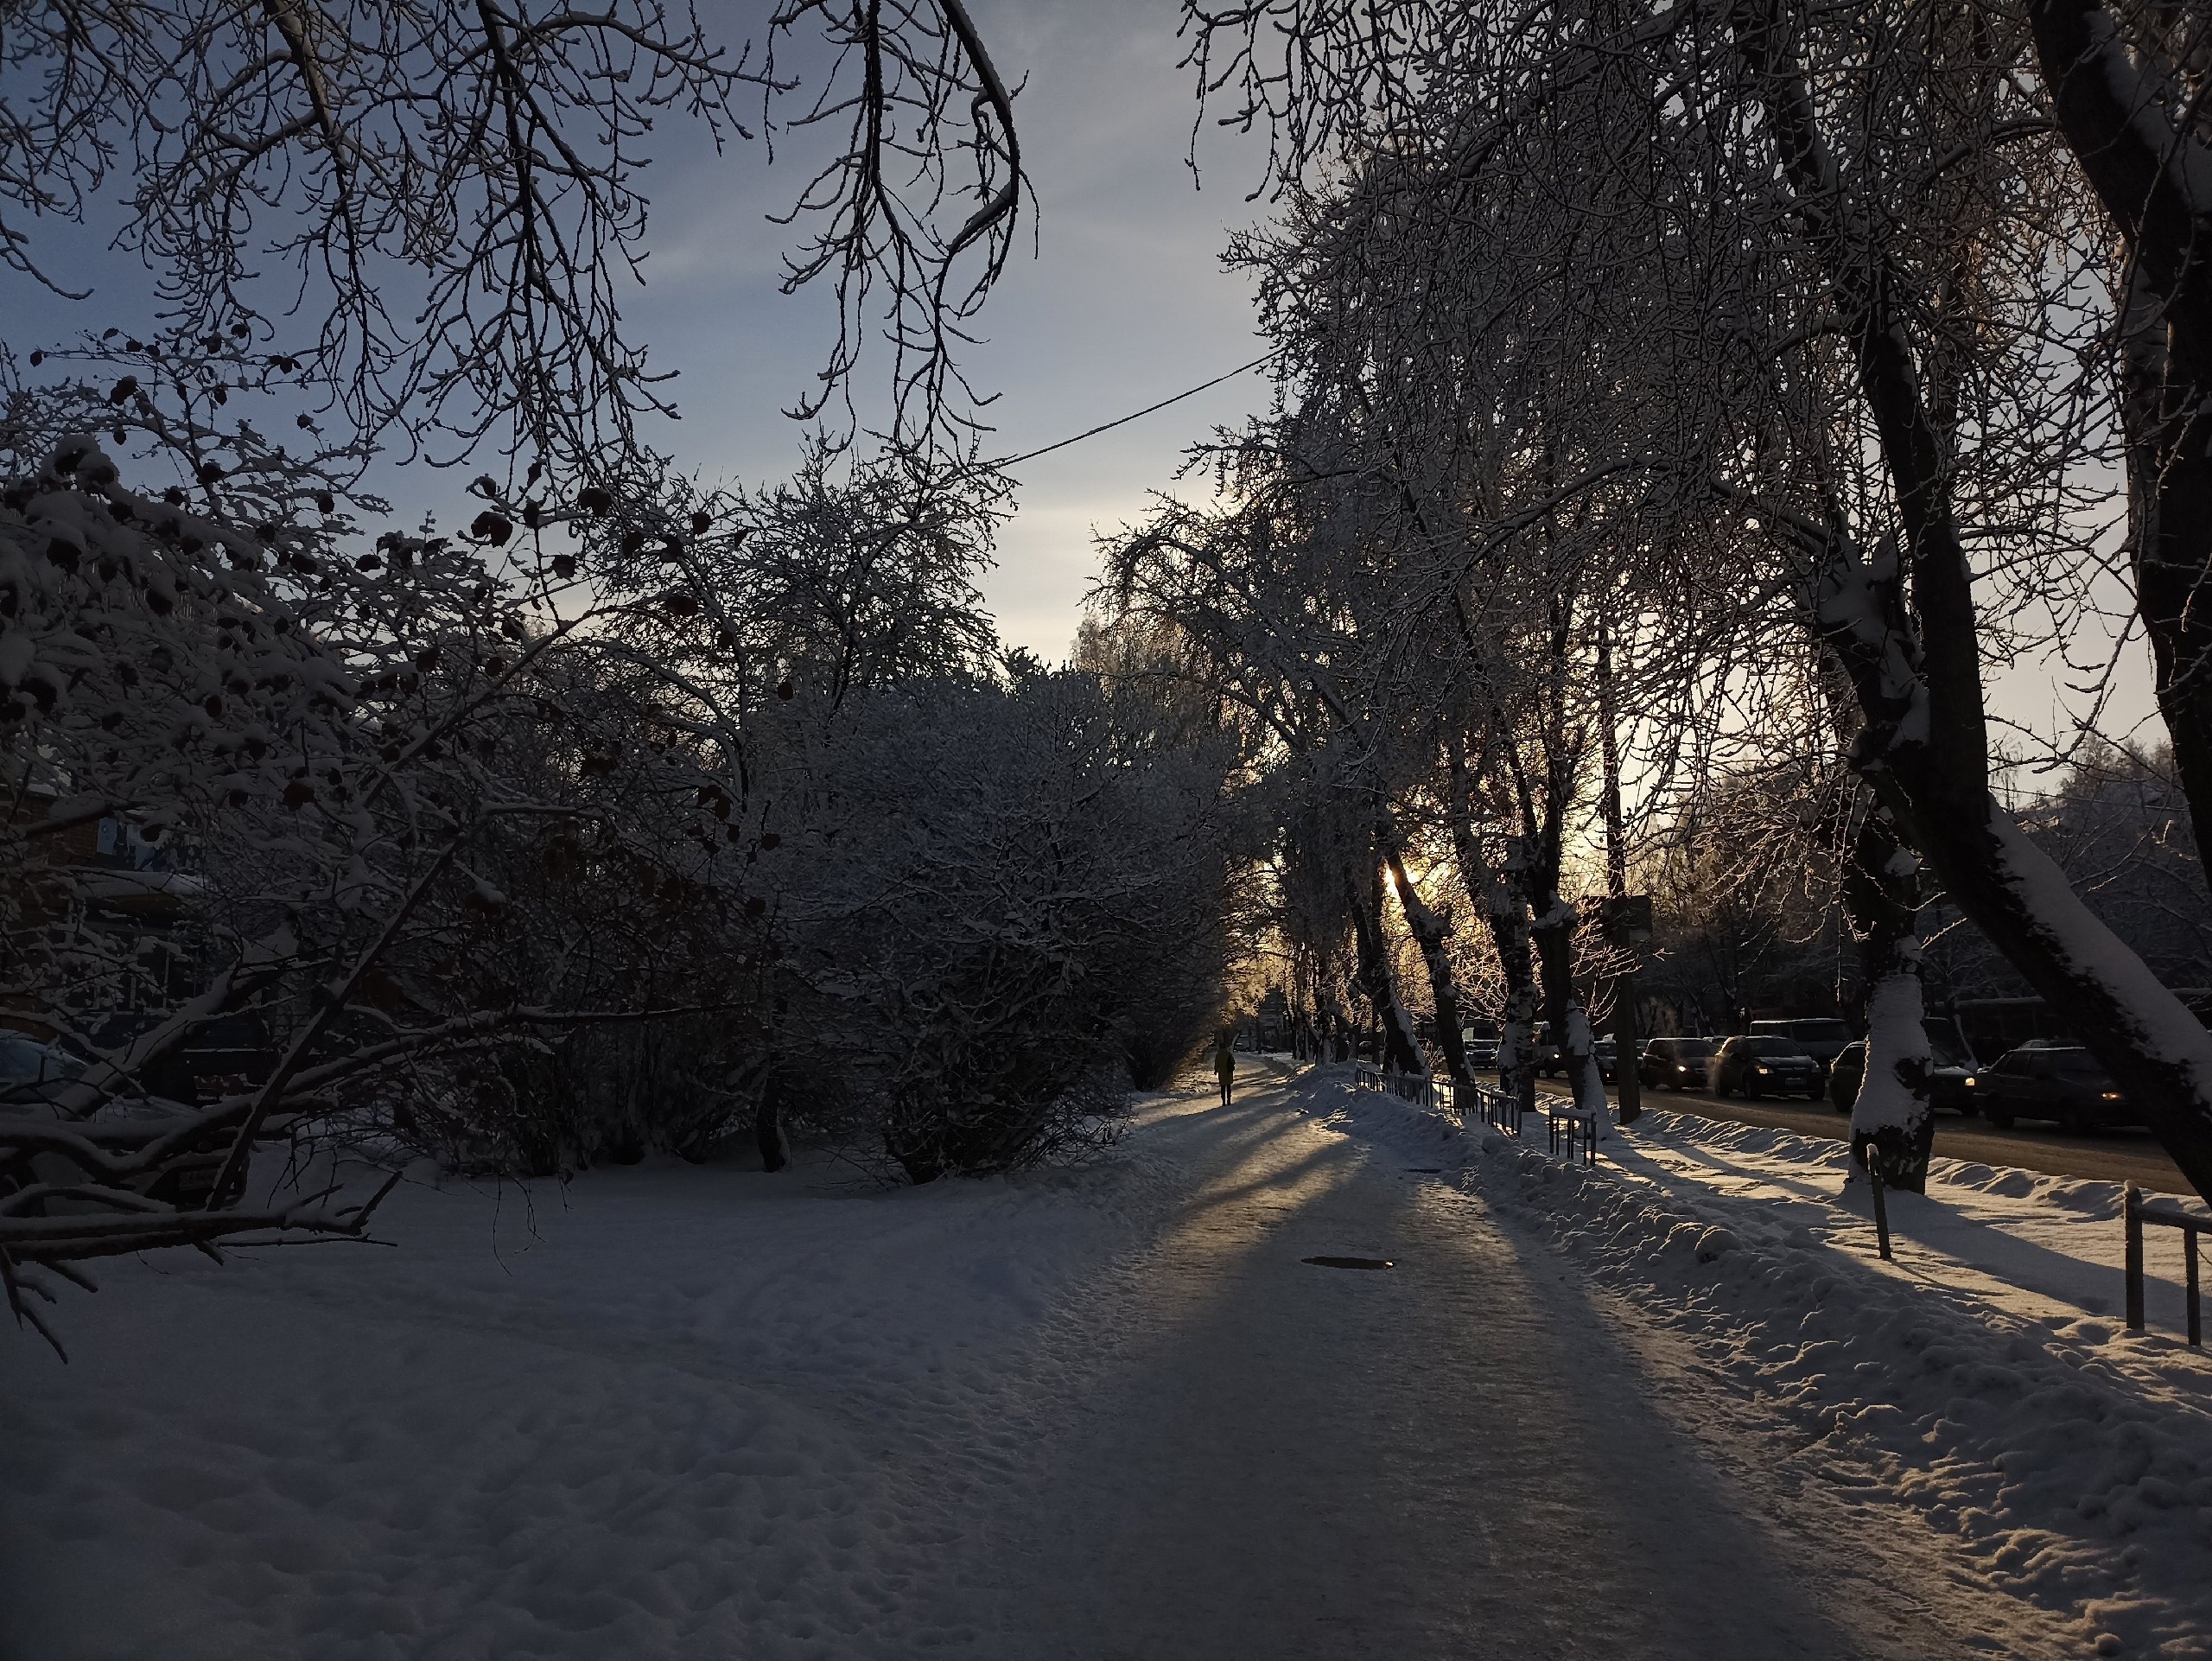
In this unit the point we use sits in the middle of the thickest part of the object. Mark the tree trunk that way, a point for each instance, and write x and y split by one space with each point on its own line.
2154 177
1395 1049
1628 1041
1517 954
1506 910
1629 1082
1543 819
2155 1049
1892 1129
768 1132
1554 930
1430 933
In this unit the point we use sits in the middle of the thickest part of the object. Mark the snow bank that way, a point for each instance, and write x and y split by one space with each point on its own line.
2047 1249
2074 1469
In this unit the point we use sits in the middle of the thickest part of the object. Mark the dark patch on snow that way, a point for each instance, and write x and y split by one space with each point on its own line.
1348 1263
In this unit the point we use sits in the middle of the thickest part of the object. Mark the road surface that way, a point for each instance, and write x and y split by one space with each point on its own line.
2115 1157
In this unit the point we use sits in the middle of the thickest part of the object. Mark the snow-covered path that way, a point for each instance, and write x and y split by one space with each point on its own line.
1457 1457
1105 1415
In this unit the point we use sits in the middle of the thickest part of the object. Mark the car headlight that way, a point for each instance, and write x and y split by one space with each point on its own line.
2111 1095
1764 1070
1681 1069
1971 1081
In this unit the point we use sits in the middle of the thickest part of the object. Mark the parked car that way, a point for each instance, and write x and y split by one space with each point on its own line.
1606 1054
1951 1085
32 1073
1549 1060
1821 1037
2061 1082
1677 1063
1481 1052
1759 1064
33 1078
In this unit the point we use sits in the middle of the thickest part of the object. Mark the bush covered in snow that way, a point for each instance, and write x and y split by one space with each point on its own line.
1006 894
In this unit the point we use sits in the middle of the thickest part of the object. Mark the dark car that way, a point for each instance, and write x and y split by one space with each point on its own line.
2064 1083
1678 1063
1821 1037
1951 1079
1606 1054
32 1074
1552 1064
1480 1040
1550 1059
1762 1066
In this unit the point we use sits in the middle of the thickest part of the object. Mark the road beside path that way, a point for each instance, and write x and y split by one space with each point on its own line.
2121 1157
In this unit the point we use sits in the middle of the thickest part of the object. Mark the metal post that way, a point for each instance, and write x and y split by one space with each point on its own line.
1628 1082
2131 1208
2196 1317
1881 1213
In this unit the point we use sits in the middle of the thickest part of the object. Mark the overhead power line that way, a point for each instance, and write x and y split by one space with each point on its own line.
1122 421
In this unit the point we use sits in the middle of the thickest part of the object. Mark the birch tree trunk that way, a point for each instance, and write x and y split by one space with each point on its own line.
1892 1127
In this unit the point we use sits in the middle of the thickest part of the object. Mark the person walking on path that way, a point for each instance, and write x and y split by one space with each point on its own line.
1224 1066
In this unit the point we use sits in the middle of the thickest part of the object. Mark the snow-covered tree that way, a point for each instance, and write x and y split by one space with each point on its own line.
1833 258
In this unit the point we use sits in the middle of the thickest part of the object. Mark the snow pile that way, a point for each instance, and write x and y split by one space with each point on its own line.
2075 1471
675 1411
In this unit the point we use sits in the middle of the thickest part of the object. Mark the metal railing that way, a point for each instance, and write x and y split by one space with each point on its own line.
1420 1090
1498 1109
2139 1212
1575 1127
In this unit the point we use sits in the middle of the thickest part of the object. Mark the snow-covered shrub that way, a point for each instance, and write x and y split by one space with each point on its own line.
945 879
1003 894
169 702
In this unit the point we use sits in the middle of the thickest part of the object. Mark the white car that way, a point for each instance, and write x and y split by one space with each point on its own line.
33 1078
